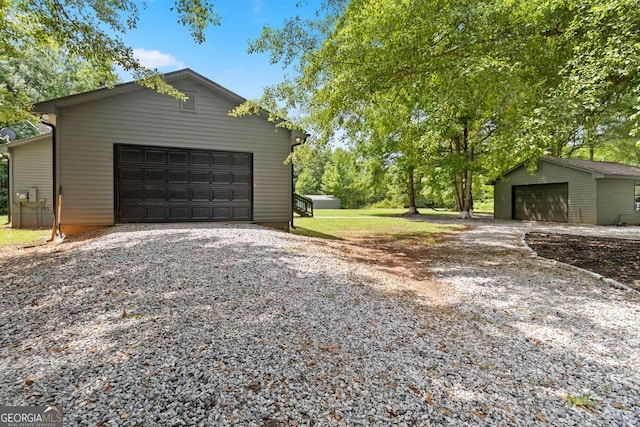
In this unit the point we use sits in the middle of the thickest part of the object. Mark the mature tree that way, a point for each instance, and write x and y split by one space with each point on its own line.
44 74
462 88
87 29
344 178
309 163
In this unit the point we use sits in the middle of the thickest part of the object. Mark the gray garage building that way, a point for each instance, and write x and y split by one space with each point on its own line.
570 190
129 154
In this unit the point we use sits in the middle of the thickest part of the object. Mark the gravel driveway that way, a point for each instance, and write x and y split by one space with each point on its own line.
241 325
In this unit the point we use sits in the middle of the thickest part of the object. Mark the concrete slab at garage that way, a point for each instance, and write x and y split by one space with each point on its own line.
569 190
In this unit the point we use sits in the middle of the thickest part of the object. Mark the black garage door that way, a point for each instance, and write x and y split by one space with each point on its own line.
156 184
541 202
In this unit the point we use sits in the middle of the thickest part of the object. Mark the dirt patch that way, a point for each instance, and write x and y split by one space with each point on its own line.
616 259
406 260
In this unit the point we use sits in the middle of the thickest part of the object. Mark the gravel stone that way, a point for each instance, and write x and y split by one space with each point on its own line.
220 324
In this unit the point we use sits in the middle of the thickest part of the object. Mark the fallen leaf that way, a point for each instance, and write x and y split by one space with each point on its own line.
478 414
429 399
30 380
107 387
321 376
541 417
338 394
124 313
392 385
448 392
506 408
152 374
414 389
125 416
619 406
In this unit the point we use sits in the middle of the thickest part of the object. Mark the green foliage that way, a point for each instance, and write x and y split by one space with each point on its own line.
309 162
343 177
10 237
38 74
88 29
583 401
460 91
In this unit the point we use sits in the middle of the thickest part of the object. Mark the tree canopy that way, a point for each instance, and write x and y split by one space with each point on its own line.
90 30
461 89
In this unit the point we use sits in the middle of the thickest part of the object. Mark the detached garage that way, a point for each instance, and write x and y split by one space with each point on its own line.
129 154
570 190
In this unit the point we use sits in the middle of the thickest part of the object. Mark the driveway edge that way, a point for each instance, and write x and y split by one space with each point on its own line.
608 281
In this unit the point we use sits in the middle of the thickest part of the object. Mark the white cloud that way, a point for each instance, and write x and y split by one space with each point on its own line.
156 59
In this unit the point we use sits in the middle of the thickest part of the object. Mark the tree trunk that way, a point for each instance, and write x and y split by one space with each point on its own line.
464 187
413 210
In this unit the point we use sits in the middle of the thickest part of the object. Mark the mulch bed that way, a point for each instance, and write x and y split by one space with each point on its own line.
617 259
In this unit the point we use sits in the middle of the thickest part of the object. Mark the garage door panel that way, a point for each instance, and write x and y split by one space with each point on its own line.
200 177
200 194
155 213
223 212
131 155
221 194
241 160
200 159
155 175
221 160
240 178
163 185
155 193
222 178
134 213
178 213
155 157
200 213
134 194
240 194
131 175
178 158
242 213
177 194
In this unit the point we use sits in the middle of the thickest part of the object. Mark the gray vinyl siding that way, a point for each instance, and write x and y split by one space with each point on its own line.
582 190
616 201
88 132
31 167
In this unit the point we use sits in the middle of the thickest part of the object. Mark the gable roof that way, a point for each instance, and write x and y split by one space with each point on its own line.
80 98
37 138
606 169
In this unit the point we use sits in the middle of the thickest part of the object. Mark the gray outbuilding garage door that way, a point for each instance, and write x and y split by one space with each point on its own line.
155 184
541 202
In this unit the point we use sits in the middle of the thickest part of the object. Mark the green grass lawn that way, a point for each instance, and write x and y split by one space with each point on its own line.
346 224
10 237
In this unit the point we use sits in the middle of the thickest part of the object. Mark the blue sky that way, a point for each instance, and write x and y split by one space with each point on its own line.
160 42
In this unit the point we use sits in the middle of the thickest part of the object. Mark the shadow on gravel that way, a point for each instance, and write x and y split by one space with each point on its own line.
150 325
